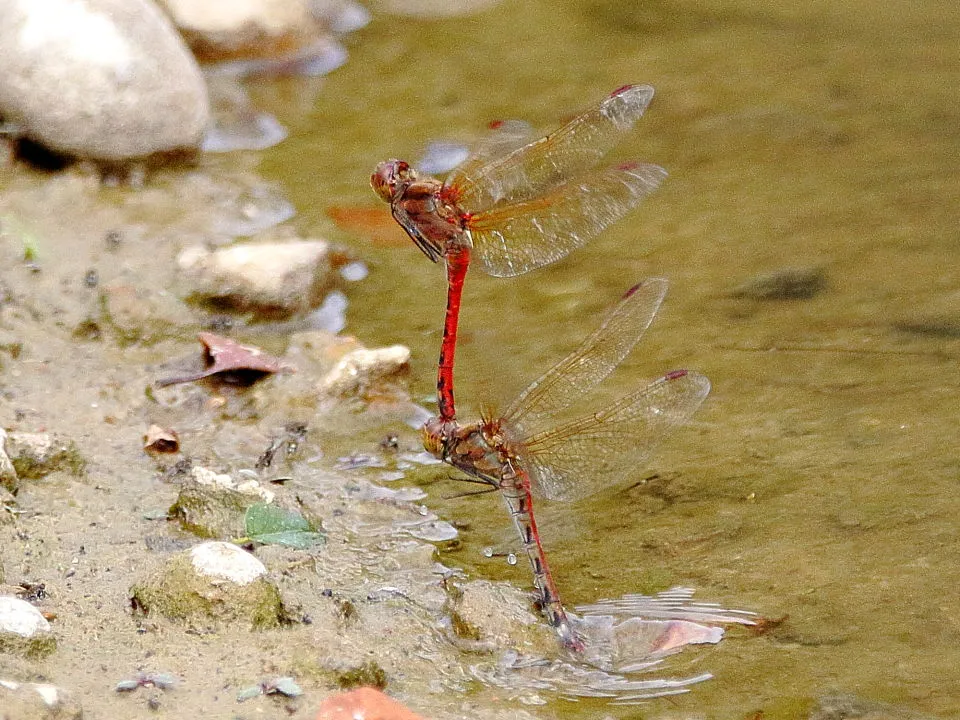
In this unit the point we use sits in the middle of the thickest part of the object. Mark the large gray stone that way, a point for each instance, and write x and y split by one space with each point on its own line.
102 79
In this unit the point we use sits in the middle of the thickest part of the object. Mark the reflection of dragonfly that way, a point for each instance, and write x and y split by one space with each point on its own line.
519 204
529 451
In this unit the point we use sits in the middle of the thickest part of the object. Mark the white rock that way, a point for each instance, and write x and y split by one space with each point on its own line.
21 618
105 79
356 370
205 476
225 561
271 276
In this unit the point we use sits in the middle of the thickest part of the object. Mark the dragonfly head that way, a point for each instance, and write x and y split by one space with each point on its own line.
435 434
391 178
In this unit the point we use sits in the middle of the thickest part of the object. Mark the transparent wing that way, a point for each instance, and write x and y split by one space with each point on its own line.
513 239
530 170
505 136
580 372
602 450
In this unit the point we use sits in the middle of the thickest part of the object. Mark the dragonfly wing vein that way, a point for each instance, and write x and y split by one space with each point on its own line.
574 148
603 449
548 228
580 372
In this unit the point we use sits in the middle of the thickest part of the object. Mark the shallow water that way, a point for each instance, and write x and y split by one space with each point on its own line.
819 480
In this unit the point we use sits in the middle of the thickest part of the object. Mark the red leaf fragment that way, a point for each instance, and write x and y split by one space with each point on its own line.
243 363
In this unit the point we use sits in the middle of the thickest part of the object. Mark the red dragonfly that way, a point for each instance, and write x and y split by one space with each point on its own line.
532 451
519 204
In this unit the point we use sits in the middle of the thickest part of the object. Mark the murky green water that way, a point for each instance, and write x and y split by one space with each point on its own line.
820 480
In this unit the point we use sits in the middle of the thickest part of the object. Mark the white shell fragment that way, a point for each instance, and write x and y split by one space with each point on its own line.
226 561
21 618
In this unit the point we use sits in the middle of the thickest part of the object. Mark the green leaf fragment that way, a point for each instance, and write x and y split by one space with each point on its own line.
271 525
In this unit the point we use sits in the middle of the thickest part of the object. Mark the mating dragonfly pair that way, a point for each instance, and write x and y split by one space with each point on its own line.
518 205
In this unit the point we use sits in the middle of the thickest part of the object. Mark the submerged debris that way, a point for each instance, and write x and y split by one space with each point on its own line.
371 222
842 706
784 284
934 327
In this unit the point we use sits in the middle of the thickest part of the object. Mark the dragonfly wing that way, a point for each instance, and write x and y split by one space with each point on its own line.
505 136
581 371
513 239
576 147
602 450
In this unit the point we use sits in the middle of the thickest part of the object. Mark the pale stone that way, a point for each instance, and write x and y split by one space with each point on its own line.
21 618
358 369
226 561
270 276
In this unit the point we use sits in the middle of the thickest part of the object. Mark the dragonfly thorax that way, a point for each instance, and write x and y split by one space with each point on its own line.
466 447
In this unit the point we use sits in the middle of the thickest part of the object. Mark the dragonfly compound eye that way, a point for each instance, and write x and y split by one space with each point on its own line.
390 178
